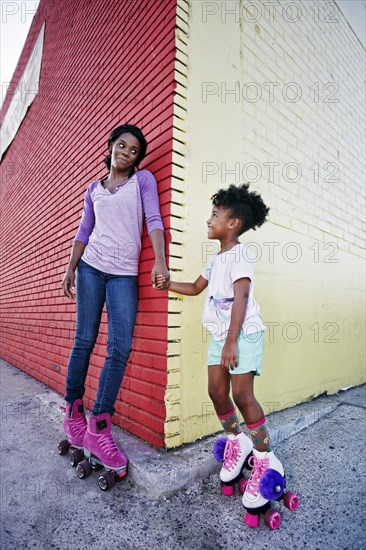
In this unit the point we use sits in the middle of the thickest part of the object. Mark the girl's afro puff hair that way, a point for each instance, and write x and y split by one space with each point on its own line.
247 206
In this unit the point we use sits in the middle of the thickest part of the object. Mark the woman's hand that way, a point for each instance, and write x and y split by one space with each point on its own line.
161 283
68 283
162 270
229 355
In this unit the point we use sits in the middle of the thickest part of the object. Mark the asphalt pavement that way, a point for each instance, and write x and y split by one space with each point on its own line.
172 500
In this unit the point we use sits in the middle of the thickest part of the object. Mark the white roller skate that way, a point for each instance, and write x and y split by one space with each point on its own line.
233 452
266 484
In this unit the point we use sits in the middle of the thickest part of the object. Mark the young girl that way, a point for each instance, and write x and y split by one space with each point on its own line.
232 316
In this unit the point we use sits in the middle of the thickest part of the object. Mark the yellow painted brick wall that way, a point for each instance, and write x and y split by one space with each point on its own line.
178 221
273 95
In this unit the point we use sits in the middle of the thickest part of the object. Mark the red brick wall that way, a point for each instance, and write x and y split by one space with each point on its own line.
104 62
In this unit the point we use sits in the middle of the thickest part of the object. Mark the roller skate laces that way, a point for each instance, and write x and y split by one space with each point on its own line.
108 447
74 422
237 449
99 442
259 466
232 454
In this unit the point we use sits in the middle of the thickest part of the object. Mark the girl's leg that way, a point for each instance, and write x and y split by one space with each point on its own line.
263 458
238 446
121 302
243 395
90 296
219 389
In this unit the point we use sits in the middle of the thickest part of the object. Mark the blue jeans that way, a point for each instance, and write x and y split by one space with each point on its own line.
120 294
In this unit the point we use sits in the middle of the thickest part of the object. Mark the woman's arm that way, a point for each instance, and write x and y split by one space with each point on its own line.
81 240
68 282
157 238
155 227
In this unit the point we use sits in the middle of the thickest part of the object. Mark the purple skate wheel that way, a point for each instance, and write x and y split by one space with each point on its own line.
242 485
291 501
63 447
251 520
106 480
83 469
272 519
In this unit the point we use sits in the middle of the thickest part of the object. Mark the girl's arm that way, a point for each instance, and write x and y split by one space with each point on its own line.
229 356
188 289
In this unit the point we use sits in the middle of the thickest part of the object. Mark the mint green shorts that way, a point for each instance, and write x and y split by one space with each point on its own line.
250 353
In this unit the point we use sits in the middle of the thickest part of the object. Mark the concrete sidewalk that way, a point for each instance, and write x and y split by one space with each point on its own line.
32 425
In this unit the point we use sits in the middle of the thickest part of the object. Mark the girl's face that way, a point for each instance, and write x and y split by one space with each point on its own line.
218 223
124 152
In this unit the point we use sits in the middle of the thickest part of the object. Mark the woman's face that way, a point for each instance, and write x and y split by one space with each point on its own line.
124 152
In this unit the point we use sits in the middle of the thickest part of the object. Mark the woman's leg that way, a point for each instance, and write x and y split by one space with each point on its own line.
243 395
90 296
121 302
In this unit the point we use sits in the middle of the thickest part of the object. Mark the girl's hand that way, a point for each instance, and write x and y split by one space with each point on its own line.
68 284
161 283
229 355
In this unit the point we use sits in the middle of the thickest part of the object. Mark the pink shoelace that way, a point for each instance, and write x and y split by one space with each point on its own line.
232 453
77 425
259 467
108 445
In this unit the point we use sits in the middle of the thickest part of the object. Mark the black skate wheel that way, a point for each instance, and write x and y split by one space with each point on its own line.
63 447
106 480
75 456
83 469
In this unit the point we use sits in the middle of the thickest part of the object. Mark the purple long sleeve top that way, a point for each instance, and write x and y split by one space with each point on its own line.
112 223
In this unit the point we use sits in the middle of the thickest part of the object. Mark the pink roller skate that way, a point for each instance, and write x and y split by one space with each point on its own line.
266 484
233 451
74 428
100 451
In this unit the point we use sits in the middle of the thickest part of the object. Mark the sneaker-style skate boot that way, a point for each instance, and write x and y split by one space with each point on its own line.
266 484
101 450
74 427
236 452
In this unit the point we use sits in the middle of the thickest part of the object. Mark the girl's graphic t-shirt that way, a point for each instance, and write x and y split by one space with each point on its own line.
221 273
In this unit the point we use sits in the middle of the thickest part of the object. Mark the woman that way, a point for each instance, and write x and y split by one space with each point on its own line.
106 254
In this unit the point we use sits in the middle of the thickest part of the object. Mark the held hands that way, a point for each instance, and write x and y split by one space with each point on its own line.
160 271
68 284
229 355
161 283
